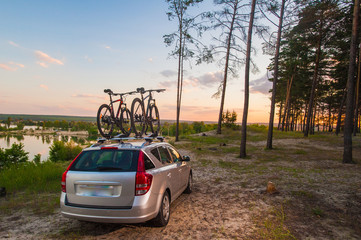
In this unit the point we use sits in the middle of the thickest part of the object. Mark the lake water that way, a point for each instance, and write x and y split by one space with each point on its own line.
34 144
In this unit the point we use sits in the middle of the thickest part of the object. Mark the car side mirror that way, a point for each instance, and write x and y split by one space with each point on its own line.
186 158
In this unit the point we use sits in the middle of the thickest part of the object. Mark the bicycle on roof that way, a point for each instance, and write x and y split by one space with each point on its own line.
107 117
141 117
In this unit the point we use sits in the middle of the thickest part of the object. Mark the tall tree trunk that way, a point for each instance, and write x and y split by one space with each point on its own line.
219 128
339 116
279 116
347 151
314 80
275 78
246 83
288 100
329 116
180 63
304 118
357 92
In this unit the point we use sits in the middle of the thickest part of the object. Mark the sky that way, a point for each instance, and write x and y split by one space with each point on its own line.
57 57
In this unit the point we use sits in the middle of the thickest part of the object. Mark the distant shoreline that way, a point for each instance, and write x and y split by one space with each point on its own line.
37 117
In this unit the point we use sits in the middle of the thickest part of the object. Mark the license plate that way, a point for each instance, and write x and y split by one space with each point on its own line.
98 190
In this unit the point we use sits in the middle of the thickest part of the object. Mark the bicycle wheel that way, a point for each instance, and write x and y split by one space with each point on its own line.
138 117
125 122
154 120
104 121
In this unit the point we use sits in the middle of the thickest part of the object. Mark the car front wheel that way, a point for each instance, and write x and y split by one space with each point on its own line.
189 188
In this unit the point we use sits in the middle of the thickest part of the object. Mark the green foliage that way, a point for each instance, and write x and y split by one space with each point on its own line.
186 128
229 119
37 158
15 154
61 151
318 212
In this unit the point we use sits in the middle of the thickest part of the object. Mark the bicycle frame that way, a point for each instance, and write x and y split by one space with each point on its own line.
151 101
111 105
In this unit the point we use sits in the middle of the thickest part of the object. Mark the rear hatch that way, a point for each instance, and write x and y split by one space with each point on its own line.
102 178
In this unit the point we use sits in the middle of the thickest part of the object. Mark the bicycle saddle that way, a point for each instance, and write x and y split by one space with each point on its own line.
141 90
108 91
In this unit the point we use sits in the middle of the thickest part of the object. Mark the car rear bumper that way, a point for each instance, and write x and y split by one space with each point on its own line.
143 209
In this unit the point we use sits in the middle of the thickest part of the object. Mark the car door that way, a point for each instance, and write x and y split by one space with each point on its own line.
182 167
170 168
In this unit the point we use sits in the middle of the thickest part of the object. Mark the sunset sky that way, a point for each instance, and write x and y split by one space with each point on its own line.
57 57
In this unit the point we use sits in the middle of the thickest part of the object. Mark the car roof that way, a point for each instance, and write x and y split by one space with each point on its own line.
130 144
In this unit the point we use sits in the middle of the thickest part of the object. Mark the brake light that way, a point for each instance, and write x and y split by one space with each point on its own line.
105 148
143 180
63 181
63 177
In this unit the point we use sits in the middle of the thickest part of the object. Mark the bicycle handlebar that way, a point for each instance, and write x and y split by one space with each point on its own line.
110 92
142 90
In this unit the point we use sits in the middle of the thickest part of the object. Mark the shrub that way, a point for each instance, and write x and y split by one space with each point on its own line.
61 151
15 154
37 158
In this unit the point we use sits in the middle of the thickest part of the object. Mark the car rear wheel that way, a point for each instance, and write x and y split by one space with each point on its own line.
162 218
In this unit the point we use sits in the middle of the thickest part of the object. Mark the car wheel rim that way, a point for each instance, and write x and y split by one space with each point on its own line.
165 206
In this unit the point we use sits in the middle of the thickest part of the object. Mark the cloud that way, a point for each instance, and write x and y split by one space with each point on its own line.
44 65
44 87
17 64
168 73
88 58
45 59
84 95
261 85
108 47
13 44
11 66
208 80
6 67
167 84
150 59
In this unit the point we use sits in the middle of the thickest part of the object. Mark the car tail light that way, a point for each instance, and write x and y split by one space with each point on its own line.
63 181
63 177
143 180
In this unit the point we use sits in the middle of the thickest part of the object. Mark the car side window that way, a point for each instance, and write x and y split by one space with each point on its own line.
175 155
164 155
155 153
148 163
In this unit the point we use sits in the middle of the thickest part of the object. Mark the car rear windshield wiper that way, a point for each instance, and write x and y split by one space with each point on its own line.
103 168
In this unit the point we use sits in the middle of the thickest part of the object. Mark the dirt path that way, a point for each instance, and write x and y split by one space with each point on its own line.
317 199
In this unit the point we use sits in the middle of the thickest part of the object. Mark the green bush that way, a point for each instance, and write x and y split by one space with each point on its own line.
15 154
61 151
37 158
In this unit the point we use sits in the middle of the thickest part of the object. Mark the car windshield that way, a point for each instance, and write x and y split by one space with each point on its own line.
106 160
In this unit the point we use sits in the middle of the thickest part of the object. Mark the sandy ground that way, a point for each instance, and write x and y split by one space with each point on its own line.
316 199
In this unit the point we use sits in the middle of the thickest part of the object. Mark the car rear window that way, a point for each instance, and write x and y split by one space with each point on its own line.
106 160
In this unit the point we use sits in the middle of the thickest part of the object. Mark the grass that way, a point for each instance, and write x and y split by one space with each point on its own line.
35 187
274 227
318 212
43 177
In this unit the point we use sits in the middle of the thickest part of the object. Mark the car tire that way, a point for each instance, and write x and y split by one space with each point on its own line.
163 216
189 188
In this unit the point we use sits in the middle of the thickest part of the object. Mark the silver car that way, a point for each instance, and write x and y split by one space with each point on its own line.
125 182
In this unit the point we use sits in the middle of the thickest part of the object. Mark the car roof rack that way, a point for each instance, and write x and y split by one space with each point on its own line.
120 139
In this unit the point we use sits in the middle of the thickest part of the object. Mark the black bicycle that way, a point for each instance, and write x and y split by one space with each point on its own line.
106 117
143 118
